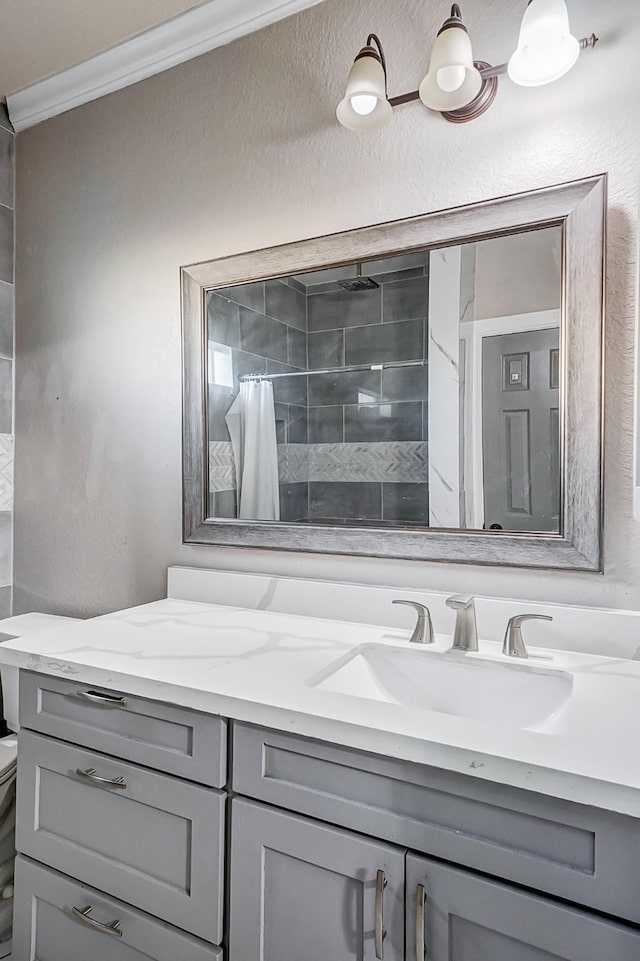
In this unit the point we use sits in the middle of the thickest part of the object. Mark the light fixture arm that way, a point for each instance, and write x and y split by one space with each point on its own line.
374 38
587 43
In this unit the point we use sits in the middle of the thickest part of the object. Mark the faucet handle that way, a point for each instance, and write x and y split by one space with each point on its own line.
460 602
423 631
514 645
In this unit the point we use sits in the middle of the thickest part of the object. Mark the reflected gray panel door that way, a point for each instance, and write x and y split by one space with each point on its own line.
304 891
520 435
465 917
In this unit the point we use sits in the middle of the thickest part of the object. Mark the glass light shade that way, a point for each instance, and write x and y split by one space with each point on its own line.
365 105
546 48
453 81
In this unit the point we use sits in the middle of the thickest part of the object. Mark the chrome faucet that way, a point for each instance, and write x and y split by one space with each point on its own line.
514 645
465 636
423 631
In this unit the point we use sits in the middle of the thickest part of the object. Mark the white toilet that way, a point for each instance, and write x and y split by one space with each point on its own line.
11 627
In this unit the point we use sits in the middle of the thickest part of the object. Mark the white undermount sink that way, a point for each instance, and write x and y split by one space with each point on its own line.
519 695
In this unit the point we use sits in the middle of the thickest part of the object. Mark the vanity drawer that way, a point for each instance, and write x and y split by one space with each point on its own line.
151 840
44 924
171 739
575 852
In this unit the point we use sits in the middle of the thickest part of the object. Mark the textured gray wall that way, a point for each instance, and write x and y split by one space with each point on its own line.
237 150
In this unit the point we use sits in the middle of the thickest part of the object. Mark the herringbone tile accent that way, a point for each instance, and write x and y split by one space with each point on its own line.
393 462
6 472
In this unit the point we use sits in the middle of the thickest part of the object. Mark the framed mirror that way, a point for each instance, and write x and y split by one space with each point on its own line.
427 389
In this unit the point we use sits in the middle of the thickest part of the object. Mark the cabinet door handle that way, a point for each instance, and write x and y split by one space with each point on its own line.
380 933
421 900
84 914
90 775
102 700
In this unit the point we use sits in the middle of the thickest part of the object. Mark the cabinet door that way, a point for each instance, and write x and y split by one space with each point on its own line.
453 915
304 890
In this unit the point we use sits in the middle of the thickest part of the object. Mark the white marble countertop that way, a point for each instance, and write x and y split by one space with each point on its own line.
257 666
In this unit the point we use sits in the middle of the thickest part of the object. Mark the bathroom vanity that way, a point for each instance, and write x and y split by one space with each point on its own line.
193 784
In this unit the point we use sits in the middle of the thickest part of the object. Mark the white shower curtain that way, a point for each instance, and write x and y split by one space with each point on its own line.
251 420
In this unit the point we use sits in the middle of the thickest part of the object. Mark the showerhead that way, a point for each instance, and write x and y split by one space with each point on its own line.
358 282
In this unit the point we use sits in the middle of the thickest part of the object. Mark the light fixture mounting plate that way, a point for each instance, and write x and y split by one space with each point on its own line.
480 104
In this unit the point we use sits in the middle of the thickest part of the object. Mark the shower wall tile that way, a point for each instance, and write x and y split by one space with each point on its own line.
343 308
288 390
6 167
405 383
286 304
247 295
345 500
282 421
6 527
293 463
244 363
224 320
6 396
224 504
406 299
352 387
393 462
6 320
297 348
385 343
220 400
6 472
326 349
262 335
406 503
384 422
222 472
326 425
391 276
297 430
6 601
6 245
294 502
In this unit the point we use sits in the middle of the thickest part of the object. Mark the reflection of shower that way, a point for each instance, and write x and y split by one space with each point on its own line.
358 282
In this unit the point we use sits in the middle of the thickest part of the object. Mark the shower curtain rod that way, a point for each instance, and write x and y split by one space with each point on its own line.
334 370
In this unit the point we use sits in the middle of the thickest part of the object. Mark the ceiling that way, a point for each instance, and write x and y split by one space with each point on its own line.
39 38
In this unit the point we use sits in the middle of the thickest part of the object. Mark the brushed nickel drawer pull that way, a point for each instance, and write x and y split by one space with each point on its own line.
102 700
84 914
380 933
421 900
90 775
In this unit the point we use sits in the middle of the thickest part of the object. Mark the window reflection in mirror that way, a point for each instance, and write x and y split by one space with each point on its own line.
421 390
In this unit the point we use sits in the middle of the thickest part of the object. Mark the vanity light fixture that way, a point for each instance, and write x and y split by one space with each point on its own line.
546 48
366 105
453 79
457 86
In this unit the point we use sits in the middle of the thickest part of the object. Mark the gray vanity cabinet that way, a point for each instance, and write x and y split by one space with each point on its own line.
305 891
59 919
454 915
152 840
121 817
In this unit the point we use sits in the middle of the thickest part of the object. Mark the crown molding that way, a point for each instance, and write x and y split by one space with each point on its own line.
189 35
